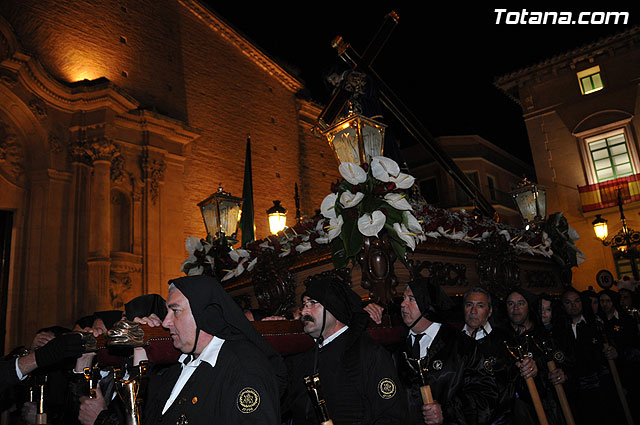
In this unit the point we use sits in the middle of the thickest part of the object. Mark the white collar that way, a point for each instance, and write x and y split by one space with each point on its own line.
430 332
582 320
480 333
209 354
334 335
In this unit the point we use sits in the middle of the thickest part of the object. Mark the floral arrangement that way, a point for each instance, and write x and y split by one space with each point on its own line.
371 198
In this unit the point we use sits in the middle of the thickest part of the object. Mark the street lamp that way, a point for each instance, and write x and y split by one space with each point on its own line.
624 241
277 217
220 212
531 201
356 138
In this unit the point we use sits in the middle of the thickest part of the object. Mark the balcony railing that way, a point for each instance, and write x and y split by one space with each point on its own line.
605 195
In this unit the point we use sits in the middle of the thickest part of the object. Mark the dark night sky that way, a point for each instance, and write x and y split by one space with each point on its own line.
441 60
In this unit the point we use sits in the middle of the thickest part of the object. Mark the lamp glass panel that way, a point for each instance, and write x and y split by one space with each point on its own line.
542 202
373 139
210 218
229 212
526 204
601 230
345 143
277 222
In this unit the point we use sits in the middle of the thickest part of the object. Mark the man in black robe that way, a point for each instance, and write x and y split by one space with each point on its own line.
591 390
463 391
228 374
356 373
509 376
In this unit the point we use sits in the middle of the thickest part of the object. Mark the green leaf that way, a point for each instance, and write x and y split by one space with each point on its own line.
338 255
352 238
400 249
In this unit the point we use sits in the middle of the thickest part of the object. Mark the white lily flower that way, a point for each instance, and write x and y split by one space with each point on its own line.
189 260
305 246
235 272
370 225
237 254
285 252
403 181
322 240
405 235
252 264
348 199
397 201
327 208
352 172
193 244
335 227
383 168
412 223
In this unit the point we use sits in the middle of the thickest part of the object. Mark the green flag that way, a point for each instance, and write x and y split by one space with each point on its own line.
247 222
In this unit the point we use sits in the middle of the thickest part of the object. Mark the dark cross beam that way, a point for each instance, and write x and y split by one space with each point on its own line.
392 102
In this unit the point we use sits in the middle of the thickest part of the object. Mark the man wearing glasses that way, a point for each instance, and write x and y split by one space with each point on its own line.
357 375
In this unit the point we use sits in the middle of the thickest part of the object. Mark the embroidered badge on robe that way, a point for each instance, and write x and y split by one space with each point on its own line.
437 365
558 356
488 364
248 400
386 388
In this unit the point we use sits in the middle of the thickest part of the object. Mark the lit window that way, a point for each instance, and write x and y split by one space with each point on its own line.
610 156
590 80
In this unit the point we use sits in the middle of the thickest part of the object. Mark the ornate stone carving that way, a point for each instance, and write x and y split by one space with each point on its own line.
9 81
38 108
153 172
11 151
119 174
103 150
55 144
89 150
120 283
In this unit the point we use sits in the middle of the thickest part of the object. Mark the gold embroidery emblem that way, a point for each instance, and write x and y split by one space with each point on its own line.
558 356
248 400
386 388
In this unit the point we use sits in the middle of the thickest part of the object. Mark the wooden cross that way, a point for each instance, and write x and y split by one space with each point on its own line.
392 102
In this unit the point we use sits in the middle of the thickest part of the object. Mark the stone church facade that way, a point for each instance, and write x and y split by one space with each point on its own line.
116 119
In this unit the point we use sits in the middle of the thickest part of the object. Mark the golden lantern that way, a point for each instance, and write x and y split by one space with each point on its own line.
277 217
356 138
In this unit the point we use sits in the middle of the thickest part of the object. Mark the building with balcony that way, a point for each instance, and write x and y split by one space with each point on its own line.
581 113
494 171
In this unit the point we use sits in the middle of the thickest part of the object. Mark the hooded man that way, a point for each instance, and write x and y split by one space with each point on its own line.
356 373
227 373
463 392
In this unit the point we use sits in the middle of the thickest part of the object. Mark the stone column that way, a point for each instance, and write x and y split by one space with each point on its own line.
99 260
